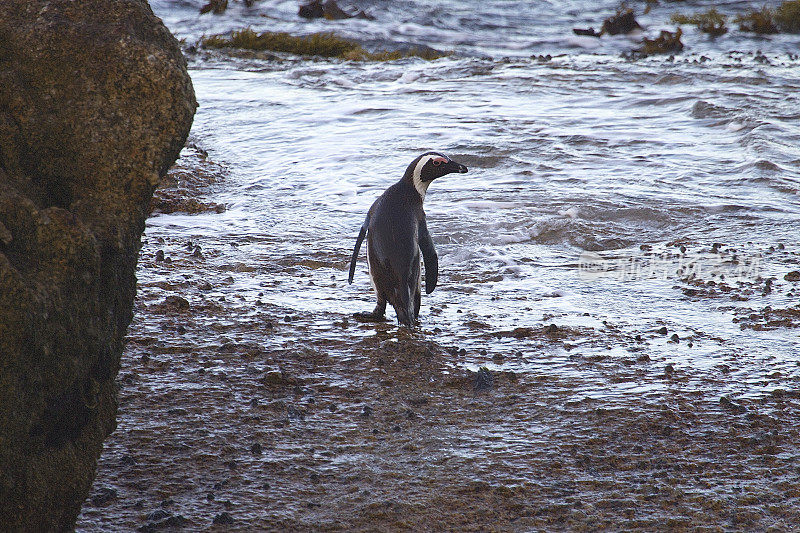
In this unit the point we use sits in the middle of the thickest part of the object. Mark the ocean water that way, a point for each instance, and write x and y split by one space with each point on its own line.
597 190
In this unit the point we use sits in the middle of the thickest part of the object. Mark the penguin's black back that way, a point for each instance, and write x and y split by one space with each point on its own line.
393 243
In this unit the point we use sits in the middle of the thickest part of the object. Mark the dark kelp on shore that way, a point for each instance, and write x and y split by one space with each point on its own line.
324 44
711 22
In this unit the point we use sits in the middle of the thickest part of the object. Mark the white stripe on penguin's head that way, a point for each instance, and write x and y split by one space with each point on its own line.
416 176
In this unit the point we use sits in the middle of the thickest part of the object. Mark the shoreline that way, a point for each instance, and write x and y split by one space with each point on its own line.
237 414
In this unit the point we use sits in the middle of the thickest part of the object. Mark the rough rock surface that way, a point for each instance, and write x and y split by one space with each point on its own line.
95 105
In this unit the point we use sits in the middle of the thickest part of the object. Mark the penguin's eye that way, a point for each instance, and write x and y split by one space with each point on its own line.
437 162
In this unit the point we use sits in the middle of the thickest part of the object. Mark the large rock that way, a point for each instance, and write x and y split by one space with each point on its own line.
95 105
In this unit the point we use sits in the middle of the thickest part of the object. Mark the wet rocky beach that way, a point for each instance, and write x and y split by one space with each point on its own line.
613 342
239 414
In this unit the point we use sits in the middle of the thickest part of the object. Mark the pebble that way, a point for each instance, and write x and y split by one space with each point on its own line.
256 449
104 495
726 402
484 380
174 521
794 275
662 330
177 302
158 514
224 519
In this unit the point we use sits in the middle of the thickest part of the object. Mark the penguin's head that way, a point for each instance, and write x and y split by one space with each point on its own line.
429 166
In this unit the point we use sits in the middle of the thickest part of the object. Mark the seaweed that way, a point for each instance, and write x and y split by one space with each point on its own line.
787 16
711 22
761 21
666 43
326 44
622 22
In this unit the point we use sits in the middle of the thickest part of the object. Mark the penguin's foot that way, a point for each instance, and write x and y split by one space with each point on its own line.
370 317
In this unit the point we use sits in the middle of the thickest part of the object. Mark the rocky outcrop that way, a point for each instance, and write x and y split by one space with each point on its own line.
328 9
95 105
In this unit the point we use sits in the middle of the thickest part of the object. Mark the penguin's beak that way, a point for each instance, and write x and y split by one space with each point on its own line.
456 168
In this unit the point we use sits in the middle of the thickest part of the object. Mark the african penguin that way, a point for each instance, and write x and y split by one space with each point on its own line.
396 232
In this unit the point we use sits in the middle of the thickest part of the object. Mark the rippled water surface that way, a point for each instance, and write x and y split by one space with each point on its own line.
584 152
617 256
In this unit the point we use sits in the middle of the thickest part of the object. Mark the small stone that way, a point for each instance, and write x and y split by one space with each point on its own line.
662 330
674 338
158 514
794 275
178 303
224 519
104 495
159 256
484 380
726 403
293 413
272 377
256 449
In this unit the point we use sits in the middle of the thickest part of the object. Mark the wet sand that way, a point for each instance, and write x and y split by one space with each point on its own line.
237 414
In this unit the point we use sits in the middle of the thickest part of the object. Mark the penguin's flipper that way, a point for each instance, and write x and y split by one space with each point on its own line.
359 240
429 257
